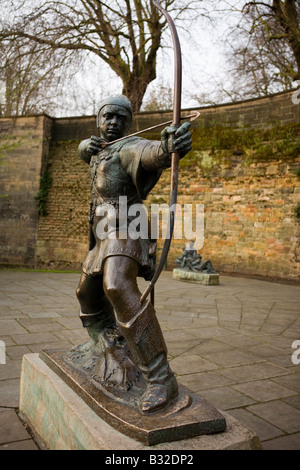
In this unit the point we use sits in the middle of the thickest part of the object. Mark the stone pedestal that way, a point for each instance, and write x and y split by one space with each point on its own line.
200 277
61 419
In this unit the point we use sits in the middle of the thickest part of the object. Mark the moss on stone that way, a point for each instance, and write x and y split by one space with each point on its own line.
222 144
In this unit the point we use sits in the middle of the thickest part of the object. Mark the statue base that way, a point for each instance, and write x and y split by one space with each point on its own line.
65 412
186 416
207 279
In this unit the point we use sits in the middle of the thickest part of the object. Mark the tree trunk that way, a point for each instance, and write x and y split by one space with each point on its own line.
135 90
287 17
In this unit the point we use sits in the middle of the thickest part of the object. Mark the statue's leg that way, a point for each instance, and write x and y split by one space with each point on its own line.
96 312
141 330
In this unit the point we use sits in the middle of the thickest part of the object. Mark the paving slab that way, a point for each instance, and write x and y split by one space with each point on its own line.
266 351
16 352
33 325
262 428
284 361
232 357
191 364
180 348
33 338
10 393
283 443
9 327
10 370
208 347
204 381
226 398
262 370
294 401
291 381
55 345
232 341
264 390
11 428
279 414
27 444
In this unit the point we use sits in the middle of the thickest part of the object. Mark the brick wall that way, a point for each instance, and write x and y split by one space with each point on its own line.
244 176
24 149
250 223
260 112
63 233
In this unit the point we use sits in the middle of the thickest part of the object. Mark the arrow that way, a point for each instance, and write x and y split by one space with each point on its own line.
191 117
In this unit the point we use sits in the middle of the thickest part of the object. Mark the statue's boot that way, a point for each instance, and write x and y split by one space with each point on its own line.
149 352
112 363
96 312
96 324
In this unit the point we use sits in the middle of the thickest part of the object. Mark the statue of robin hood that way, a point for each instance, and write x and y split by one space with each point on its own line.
108 293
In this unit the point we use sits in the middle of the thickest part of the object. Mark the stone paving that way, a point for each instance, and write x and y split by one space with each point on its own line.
231 343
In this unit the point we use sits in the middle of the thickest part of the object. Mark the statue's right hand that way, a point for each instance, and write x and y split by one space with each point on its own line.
95 145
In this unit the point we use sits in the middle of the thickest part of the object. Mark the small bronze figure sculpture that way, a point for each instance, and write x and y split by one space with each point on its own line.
122 328
191 260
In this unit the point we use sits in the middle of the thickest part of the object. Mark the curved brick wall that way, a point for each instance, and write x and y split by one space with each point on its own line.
242 168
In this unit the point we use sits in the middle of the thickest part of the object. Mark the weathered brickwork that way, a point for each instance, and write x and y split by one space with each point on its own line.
250 222
24 149
63 233
242 168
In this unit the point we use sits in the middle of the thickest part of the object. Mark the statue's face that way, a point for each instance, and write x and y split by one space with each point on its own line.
114 122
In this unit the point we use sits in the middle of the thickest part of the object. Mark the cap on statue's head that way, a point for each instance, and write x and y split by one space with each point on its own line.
118 100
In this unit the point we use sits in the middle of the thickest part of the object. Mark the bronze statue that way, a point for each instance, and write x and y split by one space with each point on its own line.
192 261
123 372
123 328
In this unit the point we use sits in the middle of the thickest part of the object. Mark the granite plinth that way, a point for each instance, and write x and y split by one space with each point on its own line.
207 279
61 419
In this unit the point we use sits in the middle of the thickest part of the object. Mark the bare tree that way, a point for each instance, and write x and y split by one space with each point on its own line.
30 77
125 34
159 98
260 42
265 47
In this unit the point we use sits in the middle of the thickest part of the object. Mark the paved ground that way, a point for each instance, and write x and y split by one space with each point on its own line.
231 343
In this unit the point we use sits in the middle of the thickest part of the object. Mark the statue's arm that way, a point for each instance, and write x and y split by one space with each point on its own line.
89 147
173 139
154 157
83 151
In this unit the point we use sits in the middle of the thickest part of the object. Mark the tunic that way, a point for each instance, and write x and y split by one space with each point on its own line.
116 171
